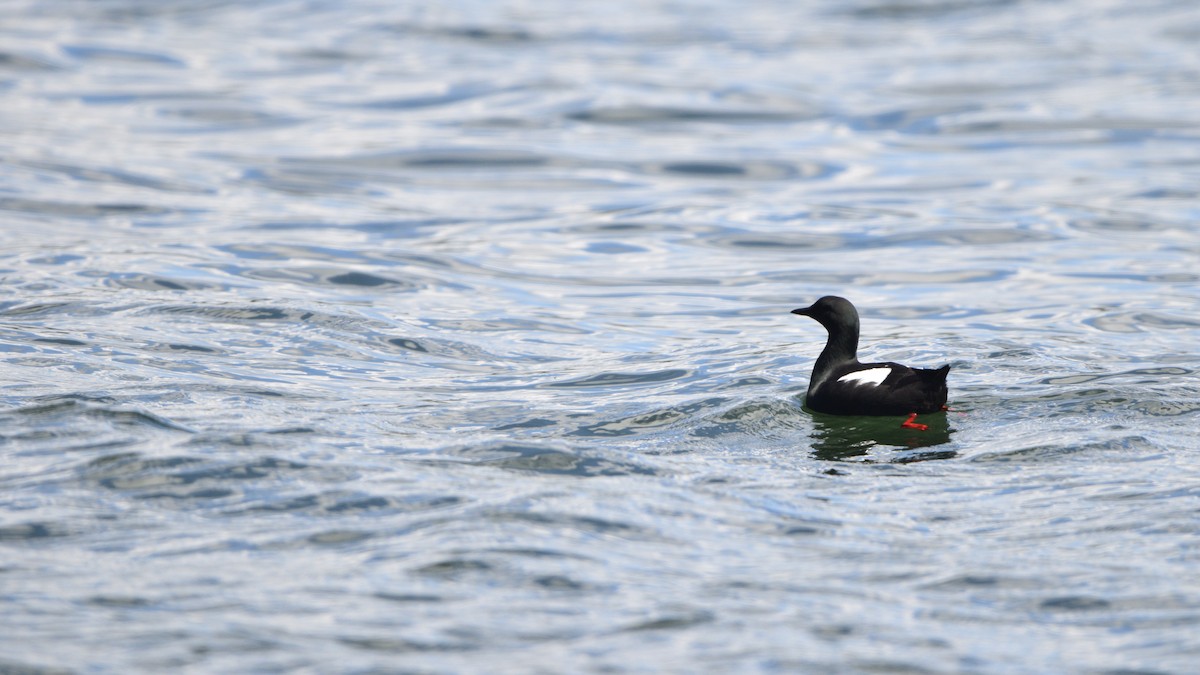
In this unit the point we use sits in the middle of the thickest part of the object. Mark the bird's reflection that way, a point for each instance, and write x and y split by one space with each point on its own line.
837 437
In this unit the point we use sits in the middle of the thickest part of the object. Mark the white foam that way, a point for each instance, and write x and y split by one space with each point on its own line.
871 376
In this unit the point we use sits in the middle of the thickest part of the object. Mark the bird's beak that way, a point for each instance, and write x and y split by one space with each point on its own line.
803 311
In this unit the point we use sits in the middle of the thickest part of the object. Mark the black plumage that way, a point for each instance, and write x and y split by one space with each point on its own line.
841 385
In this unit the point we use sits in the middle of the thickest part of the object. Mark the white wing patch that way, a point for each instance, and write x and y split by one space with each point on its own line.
871 376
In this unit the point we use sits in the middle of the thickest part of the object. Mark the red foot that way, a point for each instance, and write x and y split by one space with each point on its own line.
911 424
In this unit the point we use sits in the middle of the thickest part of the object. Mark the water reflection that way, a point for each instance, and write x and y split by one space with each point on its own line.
837 437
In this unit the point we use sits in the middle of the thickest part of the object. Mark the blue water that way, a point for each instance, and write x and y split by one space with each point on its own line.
362 337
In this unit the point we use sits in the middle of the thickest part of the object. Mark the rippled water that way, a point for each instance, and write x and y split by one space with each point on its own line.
356 337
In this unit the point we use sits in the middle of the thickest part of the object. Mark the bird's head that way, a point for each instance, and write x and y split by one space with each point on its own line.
832 312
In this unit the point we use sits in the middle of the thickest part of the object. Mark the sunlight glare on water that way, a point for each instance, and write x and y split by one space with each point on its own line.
356 337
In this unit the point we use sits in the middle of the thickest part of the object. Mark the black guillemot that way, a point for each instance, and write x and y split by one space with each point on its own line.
840 385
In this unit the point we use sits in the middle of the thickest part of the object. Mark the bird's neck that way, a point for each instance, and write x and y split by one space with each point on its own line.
839 350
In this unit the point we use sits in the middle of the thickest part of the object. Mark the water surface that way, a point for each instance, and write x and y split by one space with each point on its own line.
349 337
